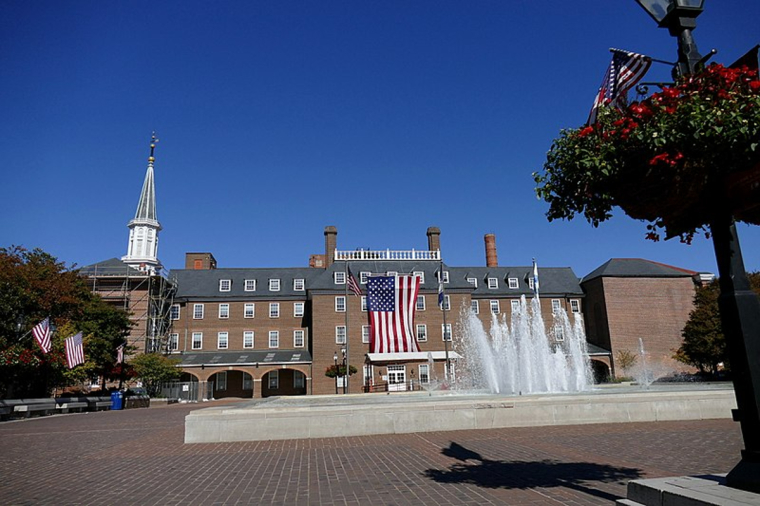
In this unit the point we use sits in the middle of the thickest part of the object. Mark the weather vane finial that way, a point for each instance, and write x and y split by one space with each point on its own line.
153 142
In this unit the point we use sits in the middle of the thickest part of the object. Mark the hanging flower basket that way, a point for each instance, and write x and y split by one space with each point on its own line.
673 160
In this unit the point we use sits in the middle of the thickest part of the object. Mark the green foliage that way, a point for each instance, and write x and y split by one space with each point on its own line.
625 359
153 369
339 370
704 345
668 160
34 285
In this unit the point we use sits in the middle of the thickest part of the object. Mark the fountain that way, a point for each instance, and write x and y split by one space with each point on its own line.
520 357
432 383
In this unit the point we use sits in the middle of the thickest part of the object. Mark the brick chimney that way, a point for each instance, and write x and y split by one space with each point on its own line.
200 261
331 243
434 238
491 258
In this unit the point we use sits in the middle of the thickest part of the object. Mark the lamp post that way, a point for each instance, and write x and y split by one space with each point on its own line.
345 368
337 371
739 305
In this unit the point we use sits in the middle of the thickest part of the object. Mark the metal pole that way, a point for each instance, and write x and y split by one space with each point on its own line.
345 356
445 341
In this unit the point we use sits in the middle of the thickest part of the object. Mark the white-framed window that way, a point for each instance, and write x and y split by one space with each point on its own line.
224 310
298 309
274 338
531 283
473 282
445 276
391 273
197 311
493 283
221 380
419 274
515 305
174 312
556 305
363 275
299 338
420 303
340 277
274 285
340 304
364 303
274 379
248 339
299 380
250 285
559 333
475 307
340 334
225 285
299 285
446 332
222 340
575 305
173 344
513 283
365 334
421 332
197 340
446 303
274 309
495 307
424 373
249 310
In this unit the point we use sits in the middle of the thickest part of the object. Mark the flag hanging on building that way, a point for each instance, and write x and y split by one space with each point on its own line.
440 289
74 350
120 353
353 285
625 70
41 333
535 277
391 302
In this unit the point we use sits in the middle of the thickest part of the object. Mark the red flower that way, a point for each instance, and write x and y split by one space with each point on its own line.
586 131
754 85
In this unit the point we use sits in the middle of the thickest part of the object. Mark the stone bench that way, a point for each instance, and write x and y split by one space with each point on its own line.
26 407
71 404
98 403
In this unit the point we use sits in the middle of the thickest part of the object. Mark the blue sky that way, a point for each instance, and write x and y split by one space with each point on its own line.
278 118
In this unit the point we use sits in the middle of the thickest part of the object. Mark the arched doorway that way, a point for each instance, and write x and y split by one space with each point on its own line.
601 371
283 382
232 383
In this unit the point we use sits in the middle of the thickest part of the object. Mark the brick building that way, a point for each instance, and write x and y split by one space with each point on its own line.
256 332
632 302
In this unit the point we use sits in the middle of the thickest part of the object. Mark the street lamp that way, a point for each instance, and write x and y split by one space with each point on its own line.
337 371
680 18
738 305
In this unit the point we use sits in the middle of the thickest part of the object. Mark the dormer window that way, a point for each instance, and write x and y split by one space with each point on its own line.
340 278
225 285
363 277
513 283
274 285
493 283
420 275
473 282
250 285
299 284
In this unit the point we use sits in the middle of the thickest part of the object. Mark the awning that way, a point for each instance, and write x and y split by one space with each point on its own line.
411 356
245 358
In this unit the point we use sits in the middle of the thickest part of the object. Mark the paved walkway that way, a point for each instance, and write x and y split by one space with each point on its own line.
137 457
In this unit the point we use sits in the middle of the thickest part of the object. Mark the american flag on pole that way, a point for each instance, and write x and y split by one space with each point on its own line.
353 284
391 302
74 350
625 70
440 289
41 333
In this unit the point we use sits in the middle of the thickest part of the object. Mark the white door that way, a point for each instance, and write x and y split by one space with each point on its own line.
396 378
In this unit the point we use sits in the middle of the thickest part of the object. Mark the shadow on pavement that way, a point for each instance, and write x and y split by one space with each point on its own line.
524 475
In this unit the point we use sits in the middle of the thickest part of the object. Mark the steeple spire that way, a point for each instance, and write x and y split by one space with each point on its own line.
142 250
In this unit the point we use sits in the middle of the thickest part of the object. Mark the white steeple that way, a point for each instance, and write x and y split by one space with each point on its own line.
142 251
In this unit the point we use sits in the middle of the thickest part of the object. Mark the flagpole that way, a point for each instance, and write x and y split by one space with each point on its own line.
345 356
443 309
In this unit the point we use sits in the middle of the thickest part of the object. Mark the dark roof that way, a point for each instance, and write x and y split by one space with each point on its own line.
551 280
249 357
637 268
595 350
205 283
111 267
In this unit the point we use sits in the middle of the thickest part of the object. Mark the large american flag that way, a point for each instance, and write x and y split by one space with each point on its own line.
625 70
391 301
74 350
41 333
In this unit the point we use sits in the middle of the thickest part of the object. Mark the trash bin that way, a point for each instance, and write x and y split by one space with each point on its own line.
116 400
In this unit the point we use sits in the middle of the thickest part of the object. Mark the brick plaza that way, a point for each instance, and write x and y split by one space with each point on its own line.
137 457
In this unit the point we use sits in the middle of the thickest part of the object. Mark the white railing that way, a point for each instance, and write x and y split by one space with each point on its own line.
363 254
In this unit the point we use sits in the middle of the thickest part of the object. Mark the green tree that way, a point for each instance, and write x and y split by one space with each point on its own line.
153 369
35 285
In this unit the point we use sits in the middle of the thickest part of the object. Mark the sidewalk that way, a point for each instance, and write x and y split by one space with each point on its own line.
137 457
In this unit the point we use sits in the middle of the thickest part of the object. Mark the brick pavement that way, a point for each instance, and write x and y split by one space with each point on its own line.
138 457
